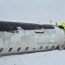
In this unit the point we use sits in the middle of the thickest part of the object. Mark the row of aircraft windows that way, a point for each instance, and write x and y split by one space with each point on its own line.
41 47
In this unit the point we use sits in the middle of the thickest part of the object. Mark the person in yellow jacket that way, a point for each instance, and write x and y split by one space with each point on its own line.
62 24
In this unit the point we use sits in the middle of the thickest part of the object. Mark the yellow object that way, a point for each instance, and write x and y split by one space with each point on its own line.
62 24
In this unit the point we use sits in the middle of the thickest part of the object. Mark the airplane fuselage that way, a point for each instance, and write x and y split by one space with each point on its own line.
18 38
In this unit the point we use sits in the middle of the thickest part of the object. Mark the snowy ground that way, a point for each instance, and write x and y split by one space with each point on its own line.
40 58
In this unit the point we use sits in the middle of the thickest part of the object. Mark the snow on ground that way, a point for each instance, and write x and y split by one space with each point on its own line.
40 58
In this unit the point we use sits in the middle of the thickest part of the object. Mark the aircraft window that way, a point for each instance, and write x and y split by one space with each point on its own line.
41 47
57 47
19 49
33 48
39 32
52 46
26 48
10 49
46 47
1 49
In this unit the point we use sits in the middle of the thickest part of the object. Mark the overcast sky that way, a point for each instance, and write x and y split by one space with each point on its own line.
32 10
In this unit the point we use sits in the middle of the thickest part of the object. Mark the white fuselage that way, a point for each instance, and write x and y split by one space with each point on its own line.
24 41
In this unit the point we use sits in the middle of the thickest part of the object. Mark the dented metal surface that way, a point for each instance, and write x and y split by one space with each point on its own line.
24 41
